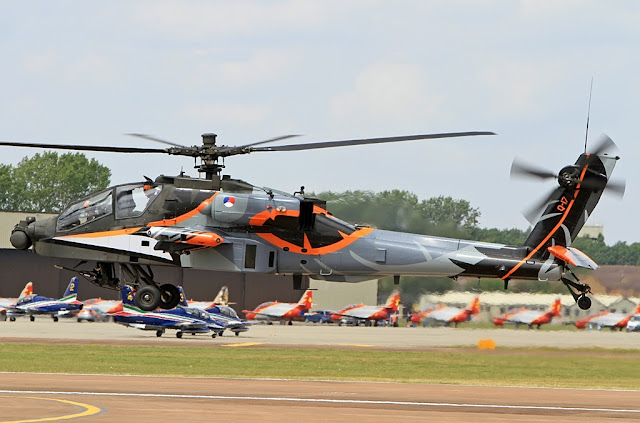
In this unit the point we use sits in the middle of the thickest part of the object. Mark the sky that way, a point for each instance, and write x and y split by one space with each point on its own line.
87 73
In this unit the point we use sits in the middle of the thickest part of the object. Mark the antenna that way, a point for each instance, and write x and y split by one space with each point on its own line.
586 134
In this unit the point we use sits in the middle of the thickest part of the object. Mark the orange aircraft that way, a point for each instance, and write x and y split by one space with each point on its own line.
360 313
448 315
608 320
283 312
529 317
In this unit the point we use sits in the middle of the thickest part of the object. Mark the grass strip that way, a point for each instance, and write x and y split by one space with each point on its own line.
593 368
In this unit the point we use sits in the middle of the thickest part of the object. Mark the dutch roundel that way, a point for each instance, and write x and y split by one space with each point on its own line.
229 201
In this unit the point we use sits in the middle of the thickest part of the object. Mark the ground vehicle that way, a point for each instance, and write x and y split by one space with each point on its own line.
634 324
320 316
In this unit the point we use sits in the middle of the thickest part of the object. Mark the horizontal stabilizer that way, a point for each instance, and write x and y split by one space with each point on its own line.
573 256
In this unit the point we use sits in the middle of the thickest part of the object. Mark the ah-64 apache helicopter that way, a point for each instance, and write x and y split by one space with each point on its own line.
223 224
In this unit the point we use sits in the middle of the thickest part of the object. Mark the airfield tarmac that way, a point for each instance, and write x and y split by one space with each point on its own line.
96 398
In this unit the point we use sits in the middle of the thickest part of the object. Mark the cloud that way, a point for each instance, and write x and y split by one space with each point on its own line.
395 92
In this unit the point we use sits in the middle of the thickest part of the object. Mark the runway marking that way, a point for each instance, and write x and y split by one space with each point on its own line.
245 344
356 345
328 401
89 410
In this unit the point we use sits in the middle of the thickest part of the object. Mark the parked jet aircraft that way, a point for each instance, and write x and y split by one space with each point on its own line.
529 317
183 319
455 315
369 314
221 299
223 314
283 312
8 302
35 304
608 320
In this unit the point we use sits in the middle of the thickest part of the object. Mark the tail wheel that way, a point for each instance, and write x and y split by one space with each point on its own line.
148 298
584 302
169 296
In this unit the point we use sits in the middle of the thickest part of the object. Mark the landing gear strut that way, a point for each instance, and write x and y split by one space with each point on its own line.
580 296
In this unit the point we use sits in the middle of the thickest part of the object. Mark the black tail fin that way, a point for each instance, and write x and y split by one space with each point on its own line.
571 204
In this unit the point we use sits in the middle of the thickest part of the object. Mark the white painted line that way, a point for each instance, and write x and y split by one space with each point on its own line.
330 401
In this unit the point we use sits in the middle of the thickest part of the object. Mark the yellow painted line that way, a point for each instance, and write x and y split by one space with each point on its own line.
246 344
89 410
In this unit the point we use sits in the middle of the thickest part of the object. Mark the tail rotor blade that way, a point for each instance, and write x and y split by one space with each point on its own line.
521 169
605 145
533 212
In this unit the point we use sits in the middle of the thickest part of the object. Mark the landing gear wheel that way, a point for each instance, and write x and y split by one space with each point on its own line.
32 318
237 333
169 296
214 334
584 302
55 318
159 333
178 334
148 298
12 319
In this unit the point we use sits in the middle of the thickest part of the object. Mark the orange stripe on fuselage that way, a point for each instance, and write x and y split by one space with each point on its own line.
562 219
182 218
127 231
280 243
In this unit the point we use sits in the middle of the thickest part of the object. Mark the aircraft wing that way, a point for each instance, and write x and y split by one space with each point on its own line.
444 314
526 317
608 320
360 313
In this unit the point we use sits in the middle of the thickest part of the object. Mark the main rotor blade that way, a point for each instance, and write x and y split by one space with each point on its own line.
345 143
525 170
84 147
154 139
238 149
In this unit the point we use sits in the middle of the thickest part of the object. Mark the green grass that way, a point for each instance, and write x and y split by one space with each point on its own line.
593 368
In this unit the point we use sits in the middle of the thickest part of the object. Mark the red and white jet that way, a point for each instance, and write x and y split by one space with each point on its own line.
283 312
608 320
530 318
361 313
448 315
6 303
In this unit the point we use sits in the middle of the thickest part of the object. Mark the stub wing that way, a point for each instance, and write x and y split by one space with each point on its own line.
573 256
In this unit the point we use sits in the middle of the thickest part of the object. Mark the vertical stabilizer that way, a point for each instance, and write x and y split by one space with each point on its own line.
570 205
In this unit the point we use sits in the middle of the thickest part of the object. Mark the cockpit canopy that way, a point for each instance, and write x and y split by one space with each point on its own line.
130 201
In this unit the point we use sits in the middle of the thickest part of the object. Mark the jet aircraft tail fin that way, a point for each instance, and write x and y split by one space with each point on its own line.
223 296
28 290
556 308
71 294
393 302
474 307
568 207
183 299
128 302
306 302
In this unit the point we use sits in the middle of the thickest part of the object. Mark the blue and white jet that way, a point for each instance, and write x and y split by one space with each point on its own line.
184 319
33 304
222 313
